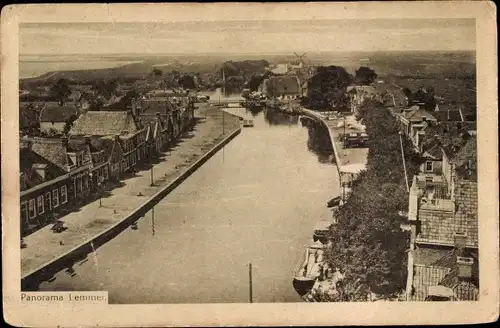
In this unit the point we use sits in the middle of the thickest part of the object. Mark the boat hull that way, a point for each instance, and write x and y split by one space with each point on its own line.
303 285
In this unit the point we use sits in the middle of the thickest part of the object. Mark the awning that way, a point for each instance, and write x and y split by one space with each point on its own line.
352 168
440 291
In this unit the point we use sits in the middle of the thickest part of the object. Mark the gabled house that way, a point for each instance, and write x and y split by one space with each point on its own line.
53 117
413 121
106 157
64 169
159 112
132 134
283 87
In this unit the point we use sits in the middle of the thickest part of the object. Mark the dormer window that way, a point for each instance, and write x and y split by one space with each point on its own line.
429 166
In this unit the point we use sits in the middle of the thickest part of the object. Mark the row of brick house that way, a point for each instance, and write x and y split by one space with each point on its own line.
58 174
442 213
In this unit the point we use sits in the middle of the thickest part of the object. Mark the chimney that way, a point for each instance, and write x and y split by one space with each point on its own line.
460 240
464 265
117 137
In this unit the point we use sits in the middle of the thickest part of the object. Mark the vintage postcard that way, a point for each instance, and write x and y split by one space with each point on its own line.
249 164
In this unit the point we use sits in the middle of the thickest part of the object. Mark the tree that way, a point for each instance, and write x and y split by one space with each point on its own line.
365 75
327 87
157 72
187 82
60 90
369 245
105 88
68 124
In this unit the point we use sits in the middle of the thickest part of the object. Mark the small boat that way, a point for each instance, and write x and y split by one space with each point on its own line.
334 202
321 230
309 268
247 123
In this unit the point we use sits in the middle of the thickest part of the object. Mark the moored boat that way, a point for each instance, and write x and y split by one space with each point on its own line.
309 268
247 123
321 230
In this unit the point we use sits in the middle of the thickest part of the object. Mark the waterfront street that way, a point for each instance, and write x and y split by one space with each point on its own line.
91 219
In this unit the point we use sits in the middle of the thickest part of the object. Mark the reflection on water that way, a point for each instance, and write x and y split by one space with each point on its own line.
221 94
274 117
318 140
254 111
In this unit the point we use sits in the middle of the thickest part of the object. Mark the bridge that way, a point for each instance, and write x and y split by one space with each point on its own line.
226 101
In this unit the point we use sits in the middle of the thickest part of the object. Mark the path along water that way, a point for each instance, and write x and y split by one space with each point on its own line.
257 201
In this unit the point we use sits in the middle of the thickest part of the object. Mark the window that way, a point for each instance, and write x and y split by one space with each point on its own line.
80 184
31 208
64 195
24 212
105 170
429 166
39 202
48 201
55 198
86 182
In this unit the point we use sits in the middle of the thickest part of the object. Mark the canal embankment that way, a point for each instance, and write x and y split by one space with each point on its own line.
93 225
347 159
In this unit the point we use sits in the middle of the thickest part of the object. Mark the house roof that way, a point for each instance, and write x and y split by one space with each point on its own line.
283 84
463 290
53 150
441 222
438 267
102 123
57 113
447 115
153 106
427 272
417 114
29 160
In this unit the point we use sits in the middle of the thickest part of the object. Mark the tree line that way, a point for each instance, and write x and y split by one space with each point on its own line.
369 246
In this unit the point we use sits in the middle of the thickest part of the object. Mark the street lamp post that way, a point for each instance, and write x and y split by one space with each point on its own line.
99 186
152 181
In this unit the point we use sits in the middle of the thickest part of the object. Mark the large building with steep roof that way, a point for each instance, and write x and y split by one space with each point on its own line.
120 124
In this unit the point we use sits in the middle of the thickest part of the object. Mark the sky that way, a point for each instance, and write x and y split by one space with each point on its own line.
247 37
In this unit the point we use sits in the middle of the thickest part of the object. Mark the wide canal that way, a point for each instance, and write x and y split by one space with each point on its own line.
257 201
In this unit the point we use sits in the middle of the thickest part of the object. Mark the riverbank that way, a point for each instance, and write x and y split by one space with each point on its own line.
195 147
346 159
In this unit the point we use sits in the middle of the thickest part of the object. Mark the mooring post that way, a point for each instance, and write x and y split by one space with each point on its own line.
250 282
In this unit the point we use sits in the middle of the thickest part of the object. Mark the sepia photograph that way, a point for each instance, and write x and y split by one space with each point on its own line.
224 160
